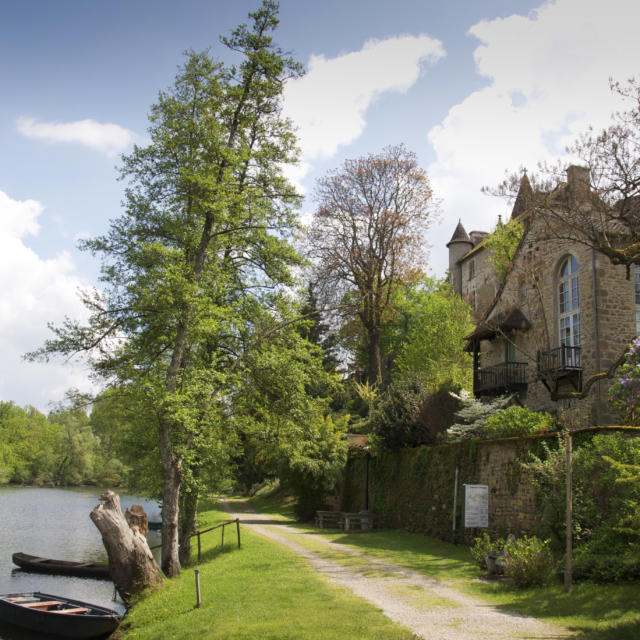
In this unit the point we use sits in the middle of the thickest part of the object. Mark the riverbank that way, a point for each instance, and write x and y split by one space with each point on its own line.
55 523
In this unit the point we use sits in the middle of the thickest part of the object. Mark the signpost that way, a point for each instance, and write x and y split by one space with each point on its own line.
475 505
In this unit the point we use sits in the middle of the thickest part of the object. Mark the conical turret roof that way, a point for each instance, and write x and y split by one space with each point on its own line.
460 235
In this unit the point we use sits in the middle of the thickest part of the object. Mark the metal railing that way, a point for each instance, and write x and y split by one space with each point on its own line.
218 526
559 360
507 375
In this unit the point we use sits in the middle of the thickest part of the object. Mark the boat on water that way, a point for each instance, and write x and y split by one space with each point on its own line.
57 615
61 567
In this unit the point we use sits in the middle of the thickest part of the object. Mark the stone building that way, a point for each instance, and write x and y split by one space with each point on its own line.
561 314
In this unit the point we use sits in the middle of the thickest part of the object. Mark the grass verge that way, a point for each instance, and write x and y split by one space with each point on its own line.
259 591
592 611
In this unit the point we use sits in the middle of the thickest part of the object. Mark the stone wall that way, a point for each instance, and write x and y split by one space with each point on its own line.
414 488
607 313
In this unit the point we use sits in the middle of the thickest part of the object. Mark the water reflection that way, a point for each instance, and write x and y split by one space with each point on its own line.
55 523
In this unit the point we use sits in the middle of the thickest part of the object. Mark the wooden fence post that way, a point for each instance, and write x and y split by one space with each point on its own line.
222 539
238 528
199 548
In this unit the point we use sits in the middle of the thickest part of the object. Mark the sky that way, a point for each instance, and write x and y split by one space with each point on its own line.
476 88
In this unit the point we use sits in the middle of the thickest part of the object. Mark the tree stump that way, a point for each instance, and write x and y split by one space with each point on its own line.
136 516
131 562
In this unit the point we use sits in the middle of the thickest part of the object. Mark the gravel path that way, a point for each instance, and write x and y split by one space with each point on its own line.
427 607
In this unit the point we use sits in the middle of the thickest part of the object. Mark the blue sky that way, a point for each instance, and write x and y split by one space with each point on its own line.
473 87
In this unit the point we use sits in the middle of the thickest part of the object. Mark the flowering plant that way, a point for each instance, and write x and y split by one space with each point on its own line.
624 393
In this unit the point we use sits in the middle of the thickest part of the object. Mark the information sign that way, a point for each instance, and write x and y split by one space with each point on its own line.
476 505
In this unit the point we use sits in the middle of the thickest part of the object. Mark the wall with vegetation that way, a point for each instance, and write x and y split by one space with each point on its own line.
414 488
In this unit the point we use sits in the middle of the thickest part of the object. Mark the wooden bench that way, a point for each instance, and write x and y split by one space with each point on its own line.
74 610
329 518
360 521
346 521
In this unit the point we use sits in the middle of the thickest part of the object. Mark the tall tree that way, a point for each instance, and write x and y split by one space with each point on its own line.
203 238
368 236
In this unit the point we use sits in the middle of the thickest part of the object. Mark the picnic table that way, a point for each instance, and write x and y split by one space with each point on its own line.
347 521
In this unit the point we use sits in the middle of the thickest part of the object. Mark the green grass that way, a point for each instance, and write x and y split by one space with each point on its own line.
259 591
592 611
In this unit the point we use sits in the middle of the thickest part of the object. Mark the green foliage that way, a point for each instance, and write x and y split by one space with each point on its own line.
201 253
502 245
408 415
483 545
426 338
606 505
529 562
473 416
624 393
517 421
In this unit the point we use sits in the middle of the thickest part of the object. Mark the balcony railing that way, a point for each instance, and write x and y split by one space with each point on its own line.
559 361
508 376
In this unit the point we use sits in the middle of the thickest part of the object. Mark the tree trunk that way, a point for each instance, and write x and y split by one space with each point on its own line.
375 361
170 514
188 524
131 562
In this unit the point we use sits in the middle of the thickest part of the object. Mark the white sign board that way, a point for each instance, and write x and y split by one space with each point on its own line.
476 505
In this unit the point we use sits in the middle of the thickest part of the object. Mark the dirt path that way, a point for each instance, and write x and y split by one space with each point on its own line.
427 607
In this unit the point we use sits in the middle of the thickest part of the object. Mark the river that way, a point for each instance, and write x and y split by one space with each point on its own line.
55 523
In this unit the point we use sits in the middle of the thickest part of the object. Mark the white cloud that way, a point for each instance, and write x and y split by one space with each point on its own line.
548 80
34 292
329 103
104 137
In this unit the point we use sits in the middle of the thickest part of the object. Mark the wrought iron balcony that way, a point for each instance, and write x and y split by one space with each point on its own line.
561 363
500 378
559 360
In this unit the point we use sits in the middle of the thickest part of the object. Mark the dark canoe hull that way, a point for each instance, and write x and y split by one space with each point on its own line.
61 567
96 622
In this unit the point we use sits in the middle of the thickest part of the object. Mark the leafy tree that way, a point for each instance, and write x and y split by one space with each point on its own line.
29 445
368 237
428 332
202 241
283 407
77 446
473 416
502 245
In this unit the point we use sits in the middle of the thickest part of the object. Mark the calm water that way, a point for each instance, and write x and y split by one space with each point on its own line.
55 523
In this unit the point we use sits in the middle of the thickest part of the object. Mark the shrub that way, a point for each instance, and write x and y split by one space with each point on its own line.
529 562
517 421
624 393
483 545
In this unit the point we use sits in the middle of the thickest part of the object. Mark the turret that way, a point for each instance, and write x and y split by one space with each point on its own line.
459 245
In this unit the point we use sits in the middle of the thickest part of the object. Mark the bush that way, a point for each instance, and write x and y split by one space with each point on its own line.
529 562
517 421
483 545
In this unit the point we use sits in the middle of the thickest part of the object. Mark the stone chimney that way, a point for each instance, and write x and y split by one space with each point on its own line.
477 236
578 183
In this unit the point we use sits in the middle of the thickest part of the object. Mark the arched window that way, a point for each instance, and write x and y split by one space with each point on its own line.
569 303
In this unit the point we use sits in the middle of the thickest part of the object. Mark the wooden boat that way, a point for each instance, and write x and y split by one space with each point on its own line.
61 567
154 526
55 615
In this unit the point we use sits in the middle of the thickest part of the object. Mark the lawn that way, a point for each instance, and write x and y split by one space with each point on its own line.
261 590
592 611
